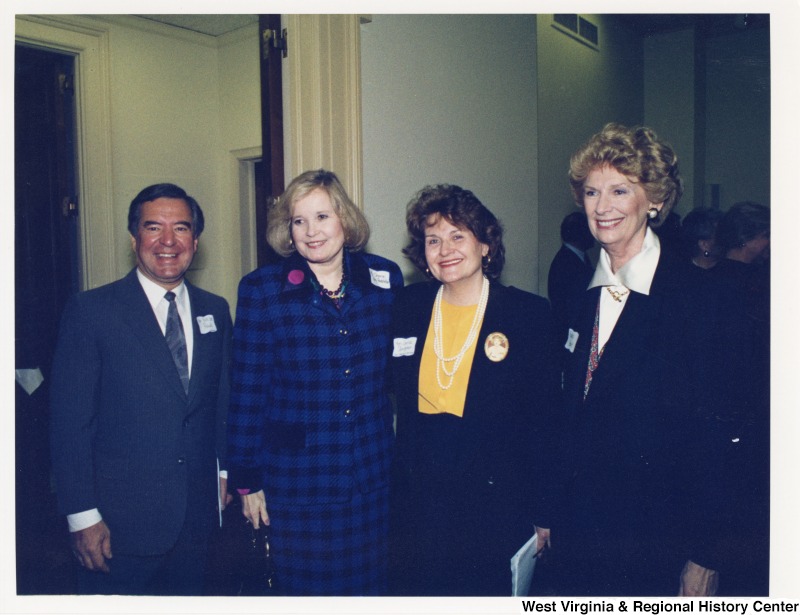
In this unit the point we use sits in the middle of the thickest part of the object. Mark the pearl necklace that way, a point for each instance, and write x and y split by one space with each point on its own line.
441 360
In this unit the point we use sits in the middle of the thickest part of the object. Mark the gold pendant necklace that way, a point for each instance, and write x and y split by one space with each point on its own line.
617 295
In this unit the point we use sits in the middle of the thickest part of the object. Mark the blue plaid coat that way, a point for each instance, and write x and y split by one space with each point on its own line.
310 421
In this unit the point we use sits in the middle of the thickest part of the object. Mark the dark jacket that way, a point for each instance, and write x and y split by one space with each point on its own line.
642 452
465 489
566 282
125 437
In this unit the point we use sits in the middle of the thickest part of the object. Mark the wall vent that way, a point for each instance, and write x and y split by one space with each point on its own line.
578 28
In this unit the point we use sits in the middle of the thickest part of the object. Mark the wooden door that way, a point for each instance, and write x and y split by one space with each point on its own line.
46 270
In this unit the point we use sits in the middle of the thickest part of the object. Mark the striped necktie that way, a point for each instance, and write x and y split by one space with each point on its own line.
176 340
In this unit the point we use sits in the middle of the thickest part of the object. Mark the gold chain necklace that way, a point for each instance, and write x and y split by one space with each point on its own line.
617 295
438 346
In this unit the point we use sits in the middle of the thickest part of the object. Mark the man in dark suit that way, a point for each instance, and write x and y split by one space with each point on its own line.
139 401
570 271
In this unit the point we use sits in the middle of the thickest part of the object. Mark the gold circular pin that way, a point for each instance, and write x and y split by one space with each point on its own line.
496 346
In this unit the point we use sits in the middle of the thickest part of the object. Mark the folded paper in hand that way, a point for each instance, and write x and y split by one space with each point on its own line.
522 565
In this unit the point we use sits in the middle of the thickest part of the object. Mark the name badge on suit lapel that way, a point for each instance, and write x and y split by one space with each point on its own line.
206 324
381 279
404 346
572 339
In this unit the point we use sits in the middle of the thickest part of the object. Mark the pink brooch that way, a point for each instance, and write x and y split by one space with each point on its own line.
296 276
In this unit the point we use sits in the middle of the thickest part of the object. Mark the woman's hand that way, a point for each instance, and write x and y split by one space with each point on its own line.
698 581
543 540
254 508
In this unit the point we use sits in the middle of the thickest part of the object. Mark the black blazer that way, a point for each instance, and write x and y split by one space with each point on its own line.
483 472
566 282
125 437
641 453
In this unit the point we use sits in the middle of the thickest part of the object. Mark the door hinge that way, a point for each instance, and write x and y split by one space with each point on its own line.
272 39
65 83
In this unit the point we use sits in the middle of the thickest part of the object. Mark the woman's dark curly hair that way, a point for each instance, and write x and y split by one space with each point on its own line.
460 208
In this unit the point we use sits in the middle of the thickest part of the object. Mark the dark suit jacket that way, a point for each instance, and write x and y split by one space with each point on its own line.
465 489
641 452
566 282
125 437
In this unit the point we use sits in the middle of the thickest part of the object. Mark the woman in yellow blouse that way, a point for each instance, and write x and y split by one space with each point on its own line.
477 388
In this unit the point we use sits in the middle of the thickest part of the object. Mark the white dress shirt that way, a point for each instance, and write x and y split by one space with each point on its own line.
155 295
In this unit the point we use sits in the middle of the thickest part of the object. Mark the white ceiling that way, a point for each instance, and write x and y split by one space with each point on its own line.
213 25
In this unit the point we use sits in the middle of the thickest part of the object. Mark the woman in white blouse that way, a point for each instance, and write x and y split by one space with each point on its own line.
642 383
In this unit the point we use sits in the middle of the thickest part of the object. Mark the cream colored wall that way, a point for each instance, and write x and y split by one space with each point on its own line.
739 117
240 123
451 99
165 128
580 89
670 104
180 107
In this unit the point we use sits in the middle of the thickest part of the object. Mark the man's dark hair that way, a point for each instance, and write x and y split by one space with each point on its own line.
167 191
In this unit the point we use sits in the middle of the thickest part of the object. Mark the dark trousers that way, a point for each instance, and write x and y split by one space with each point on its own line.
179 572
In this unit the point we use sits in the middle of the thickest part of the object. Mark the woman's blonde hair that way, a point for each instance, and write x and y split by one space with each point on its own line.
638 154
279 216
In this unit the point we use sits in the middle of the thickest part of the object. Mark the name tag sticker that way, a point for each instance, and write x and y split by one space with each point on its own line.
206 324
404 346
572 339
380 278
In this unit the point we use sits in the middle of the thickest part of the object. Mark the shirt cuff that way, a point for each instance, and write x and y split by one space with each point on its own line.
82 520
223 474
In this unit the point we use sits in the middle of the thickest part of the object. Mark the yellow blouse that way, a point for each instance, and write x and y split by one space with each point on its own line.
456 323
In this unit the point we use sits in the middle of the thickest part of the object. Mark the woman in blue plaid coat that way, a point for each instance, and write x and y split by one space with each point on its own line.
310 424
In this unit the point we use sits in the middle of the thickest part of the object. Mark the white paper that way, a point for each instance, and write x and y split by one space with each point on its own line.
220 496
29 379
522 565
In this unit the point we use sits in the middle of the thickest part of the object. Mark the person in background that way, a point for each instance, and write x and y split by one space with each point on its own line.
646 373
310 424
743 235
477 398
139 399
570 270
698 235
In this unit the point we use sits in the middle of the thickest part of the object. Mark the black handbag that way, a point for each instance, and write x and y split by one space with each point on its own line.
240 562
260 581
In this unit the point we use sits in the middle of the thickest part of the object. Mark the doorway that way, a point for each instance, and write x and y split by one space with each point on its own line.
46 273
